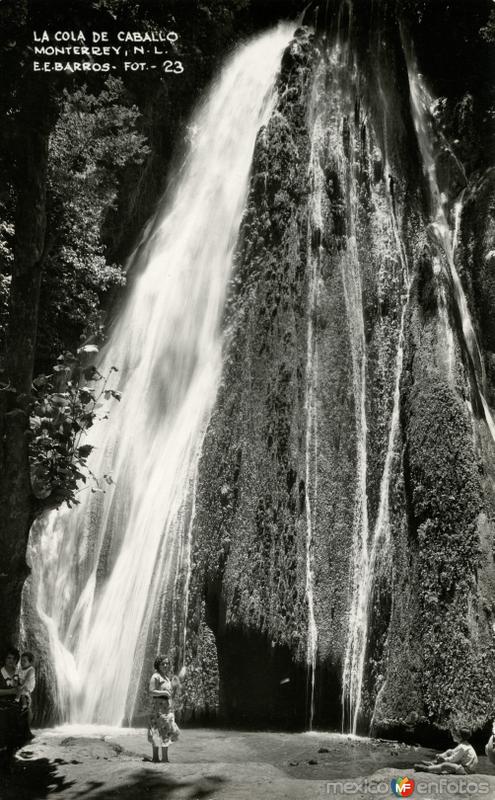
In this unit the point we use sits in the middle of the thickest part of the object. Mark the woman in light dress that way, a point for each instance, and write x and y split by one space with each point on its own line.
163 728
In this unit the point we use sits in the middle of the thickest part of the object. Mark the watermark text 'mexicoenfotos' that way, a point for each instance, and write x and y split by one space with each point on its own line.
443 786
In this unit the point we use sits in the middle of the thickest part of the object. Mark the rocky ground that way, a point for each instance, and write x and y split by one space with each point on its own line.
109 764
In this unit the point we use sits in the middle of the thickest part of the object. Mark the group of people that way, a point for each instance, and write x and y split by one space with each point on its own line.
17 682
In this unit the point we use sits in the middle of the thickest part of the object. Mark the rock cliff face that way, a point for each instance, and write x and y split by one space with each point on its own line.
342 568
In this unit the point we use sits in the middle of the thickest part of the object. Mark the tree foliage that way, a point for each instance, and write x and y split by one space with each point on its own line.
95 139
488 30
67 403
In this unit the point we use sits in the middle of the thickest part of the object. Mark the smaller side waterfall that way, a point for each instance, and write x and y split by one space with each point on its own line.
379 542
371 538
315 224
444 231
311 451
344 76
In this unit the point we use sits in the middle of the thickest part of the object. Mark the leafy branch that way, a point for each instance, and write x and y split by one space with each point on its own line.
67 403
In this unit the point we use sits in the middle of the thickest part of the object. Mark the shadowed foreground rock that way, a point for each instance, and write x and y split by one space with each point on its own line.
219 764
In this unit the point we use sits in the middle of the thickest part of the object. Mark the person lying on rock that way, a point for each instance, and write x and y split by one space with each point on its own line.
163 728
460 760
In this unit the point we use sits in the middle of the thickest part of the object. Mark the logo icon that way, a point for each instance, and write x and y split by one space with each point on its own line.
402 787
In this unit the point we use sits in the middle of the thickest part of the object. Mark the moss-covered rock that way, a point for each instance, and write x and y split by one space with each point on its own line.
348 445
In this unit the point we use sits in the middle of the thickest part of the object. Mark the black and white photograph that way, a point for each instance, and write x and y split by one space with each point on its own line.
247 399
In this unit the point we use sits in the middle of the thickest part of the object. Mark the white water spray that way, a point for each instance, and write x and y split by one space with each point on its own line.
315 224
99 569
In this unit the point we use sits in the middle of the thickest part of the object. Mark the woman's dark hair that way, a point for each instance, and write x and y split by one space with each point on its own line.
11 651
159 660
27 654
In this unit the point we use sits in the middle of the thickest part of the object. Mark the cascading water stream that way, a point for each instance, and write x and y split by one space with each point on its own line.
98 570
311 478
446 236
343 72
378 545
315 224
369 542
376 542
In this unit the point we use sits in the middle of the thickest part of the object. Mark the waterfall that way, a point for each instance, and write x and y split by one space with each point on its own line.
375 543
372 544
332 145
311 454
315 225
378 545
343 72
101 570
368 540
445 234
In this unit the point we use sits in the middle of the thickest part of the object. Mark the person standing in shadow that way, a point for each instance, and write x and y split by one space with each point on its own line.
14 724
